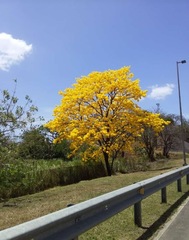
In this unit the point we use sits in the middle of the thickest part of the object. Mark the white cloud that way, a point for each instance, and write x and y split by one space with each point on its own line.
12 51
159 93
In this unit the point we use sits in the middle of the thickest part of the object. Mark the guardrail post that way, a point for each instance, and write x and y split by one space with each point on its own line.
137 214
179 185
164 195
69 205
187 179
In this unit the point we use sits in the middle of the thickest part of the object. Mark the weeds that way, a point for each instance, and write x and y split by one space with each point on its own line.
22 177
27 177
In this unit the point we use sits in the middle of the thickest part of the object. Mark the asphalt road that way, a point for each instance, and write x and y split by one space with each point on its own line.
178 227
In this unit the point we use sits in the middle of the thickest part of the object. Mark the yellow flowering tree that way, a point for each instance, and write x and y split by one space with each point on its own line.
101 111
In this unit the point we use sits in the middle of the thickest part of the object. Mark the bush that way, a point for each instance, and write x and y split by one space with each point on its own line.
27 177
131 164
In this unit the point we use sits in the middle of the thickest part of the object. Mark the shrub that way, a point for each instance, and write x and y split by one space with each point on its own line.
27 177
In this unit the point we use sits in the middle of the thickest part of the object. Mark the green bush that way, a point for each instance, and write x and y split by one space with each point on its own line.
27 177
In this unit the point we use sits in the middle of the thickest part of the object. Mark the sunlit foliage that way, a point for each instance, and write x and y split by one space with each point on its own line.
101 111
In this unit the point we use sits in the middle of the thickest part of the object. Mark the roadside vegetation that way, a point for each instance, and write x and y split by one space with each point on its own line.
99 133
121 226
98 130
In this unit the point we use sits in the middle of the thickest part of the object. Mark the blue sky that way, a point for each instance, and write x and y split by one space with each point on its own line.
47 44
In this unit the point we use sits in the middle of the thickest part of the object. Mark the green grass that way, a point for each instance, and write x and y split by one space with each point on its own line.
121 226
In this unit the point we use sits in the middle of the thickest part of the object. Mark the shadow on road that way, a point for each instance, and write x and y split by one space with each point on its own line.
160 221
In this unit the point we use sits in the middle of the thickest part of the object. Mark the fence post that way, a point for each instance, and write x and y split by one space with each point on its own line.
137 214
179 185
164 195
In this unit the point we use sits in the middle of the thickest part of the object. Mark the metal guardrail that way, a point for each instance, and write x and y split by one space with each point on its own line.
70 222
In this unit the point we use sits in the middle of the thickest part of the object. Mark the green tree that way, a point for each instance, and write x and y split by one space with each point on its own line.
13 117
58 150
62 150
34 145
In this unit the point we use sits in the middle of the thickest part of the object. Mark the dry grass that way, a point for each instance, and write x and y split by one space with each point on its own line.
121 226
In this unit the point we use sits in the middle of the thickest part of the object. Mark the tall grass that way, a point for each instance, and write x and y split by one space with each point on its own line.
22 177
26 177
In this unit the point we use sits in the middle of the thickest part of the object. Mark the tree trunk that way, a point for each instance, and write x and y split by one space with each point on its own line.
151 154
106 159
166 152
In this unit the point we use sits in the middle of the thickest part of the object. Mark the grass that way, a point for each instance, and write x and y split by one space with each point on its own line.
121 226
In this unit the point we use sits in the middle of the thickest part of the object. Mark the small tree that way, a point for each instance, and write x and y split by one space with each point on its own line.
101 110
37 143
13 116
34 145
149 140
170 137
